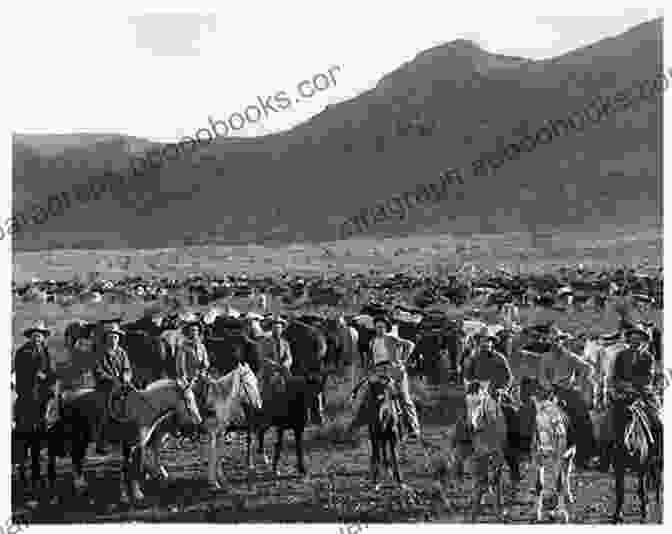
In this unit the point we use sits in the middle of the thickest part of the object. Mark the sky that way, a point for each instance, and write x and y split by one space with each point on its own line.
160 70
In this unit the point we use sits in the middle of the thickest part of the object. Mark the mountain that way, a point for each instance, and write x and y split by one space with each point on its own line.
300 184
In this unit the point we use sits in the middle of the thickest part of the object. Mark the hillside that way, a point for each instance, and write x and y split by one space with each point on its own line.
301 184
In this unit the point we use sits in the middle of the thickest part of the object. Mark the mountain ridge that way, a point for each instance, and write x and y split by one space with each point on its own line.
301 184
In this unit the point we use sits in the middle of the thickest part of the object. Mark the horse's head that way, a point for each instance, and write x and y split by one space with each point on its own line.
552 424
249 386
379 388
481 406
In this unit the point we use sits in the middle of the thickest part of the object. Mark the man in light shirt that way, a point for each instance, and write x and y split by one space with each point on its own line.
388 354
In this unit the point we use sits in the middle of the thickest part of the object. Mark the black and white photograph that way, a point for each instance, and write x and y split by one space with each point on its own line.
340 263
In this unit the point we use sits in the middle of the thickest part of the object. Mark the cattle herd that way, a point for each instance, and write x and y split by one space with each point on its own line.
440 314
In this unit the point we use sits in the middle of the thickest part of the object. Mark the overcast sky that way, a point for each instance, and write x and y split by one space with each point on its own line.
159 71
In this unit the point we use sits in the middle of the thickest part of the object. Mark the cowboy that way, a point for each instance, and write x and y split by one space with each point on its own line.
633 379
282 352
112 372
391 351
36 380
488 364
191 357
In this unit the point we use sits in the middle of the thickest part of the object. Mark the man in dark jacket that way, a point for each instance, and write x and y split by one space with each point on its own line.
36 379
633 379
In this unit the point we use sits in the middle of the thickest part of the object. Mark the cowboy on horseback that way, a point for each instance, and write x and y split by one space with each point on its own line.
485 364
389 352
191 357
113 373
488 364
36 381
633 379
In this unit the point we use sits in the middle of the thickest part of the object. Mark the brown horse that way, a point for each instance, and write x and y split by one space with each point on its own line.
382 413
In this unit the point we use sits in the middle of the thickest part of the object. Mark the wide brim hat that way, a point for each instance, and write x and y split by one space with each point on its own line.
39 326
113 328
637 333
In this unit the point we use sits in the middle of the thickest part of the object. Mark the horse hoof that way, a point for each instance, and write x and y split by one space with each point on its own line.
214 485
138 496
123 498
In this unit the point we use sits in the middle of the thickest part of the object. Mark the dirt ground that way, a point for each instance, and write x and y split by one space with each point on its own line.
338 488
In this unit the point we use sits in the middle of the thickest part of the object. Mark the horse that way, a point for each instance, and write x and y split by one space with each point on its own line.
132 423
29 436
149 361
286 402
230 349
602 358
384 423
486 424
309 348
222 399
637 447
552 443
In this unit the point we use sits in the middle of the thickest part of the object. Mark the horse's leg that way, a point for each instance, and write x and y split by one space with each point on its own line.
35 444
52 450
539 488
619 477
375 456
298 440
568 479
395 462
80 442
261 450
643 495
278 449
133 457
498 488
560 467
211 452
248 442
124 485
480 486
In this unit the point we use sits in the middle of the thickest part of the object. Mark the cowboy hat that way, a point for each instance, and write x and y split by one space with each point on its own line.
636 332
38 326
188 317
113 328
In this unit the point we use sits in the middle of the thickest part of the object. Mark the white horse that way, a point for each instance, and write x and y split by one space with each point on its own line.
551 444
602 357
224 397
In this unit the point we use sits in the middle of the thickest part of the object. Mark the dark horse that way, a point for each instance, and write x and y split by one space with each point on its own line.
286 403
141 412
309 348
382 414
639 447
29 437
